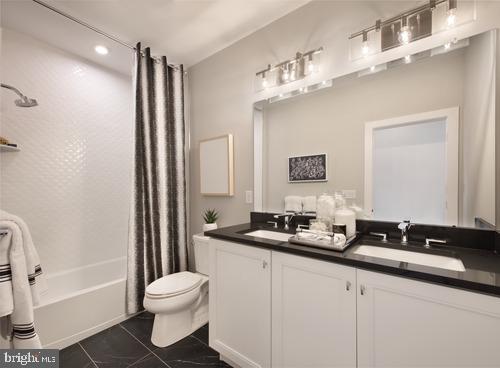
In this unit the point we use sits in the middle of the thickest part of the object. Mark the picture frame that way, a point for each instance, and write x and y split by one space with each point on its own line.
217 166
308 168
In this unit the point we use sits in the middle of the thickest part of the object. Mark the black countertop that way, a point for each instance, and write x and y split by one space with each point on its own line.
482 267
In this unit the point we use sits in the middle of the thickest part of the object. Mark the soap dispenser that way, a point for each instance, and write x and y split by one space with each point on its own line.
347 217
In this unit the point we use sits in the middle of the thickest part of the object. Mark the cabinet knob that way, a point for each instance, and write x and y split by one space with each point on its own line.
362 289
264 264
348 285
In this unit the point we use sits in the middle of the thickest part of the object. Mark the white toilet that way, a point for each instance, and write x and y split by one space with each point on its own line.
180 300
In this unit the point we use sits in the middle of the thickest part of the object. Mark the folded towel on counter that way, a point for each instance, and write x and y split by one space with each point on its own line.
21 280
309 204
293 204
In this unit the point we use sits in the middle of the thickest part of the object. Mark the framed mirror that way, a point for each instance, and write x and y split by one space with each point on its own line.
217 166
410 139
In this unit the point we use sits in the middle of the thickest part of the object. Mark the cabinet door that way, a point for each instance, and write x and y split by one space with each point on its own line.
240 303
407 323
313 313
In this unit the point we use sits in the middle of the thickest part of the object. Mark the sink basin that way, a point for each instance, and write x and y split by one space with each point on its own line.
424 259
272 235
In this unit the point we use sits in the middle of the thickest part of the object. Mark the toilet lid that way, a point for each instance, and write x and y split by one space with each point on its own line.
176 283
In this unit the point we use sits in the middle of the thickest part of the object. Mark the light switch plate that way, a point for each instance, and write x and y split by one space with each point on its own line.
349 193
248 196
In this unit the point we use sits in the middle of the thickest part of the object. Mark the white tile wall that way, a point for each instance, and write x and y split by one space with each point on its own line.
71 180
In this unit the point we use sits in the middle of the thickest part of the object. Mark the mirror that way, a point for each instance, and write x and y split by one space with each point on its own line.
411 139
216 166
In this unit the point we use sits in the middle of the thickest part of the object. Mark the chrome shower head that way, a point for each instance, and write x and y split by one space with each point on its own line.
26 102
23 101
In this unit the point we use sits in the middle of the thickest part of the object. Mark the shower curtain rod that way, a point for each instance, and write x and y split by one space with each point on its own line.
91 27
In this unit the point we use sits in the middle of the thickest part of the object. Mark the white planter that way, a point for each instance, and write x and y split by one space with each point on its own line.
208 227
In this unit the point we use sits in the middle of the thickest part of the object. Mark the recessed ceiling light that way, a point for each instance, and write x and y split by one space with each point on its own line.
101 50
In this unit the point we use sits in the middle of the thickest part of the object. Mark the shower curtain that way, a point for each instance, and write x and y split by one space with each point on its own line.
157 243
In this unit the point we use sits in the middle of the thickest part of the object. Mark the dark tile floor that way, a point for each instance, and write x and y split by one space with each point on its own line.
128 344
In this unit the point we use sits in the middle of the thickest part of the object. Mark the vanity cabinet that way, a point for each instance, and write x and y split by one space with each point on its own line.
407 323
313 313
273 309
240 303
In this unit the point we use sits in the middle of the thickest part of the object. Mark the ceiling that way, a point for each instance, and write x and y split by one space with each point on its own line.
187 31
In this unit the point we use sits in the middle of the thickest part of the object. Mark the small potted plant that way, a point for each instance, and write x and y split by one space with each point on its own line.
210 216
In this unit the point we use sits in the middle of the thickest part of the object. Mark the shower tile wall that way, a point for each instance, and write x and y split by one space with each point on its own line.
71 180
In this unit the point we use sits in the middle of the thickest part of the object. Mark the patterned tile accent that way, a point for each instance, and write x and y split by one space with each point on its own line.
71 180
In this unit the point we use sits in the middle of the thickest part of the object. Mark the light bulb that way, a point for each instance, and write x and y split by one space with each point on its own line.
264 82
404 35
372 68
408 59
447 45
310 66
451 19
286 75
365 49
292 75
101 50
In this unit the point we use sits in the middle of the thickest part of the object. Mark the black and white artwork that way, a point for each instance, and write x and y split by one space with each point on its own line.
308 168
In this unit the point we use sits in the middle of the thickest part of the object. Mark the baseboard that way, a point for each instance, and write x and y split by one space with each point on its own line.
70 340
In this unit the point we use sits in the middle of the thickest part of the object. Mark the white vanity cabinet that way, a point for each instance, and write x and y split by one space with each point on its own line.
273 309
240 303
313 313
407 323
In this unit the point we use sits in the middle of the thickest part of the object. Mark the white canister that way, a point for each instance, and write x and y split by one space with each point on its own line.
347 217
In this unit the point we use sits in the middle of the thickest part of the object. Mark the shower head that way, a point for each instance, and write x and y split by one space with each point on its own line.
26 102
23 101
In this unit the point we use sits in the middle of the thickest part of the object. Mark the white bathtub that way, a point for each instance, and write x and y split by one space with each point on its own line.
81 302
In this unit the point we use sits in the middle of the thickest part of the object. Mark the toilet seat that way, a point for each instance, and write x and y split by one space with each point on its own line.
173 285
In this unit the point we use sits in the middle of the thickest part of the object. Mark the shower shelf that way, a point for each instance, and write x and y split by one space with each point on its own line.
6 148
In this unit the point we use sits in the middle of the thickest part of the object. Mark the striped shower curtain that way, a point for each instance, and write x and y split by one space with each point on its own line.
157 243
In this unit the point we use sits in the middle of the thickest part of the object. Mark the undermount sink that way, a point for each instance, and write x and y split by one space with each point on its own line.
424 259
272 235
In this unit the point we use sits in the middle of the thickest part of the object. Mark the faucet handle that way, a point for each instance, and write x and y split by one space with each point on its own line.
274 223
405 225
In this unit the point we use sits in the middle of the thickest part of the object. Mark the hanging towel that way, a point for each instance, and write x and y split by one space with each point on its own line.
309 204
21 280
293 204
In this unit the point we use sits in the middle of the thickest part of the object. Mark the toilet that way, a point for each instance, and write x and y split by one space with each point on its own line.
180 300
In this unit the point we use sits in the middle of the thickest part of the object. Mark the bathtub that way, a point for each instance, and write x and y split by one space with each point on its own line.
81 302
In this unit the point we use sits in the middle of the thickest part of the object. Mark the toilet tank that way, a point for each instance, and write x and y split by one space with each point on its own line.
201 244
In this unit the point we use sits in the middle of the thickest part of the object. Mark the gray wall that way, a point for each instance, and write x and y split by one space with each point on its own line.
221 87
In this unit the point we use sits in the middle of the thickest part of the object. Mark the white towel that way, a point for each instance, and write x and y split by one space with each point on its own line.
293 204
309 204
21 280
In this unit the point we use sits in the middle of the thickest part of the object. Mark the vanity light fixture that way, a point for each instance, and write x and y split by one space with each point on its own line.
406 27
299 67
101 50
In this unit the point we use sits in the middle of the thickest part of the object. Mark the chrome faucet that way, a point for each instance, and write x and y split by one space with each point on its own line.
404 227
287 217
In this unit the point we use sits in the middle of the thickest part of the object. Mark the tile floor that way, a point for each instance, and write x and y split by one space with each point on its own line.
128 345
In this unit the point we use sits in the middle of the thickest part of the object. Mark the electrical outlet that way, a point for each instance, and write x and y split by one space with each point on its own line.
248 197
349 193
